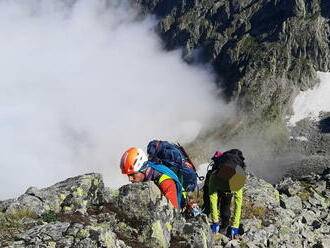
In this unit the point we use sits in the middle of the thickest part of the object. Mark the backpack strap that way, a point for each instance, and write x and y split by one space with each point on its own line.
157 146
163 178
181 148
190 162
168 172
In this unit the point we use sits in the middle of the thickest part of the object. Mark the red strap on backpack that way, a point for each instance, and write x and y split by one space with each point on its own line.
189 163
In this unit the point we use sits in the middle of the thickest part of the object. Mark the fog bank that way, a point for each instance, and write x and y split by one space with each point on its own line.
82 82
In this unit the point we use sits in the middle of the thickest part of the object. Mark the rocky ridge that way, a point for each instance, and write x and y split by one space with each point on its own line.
263 51
81 212
311 139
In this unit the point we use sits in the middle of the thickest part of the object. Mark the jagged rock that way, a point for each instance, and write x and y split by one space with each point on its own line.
251 223
85 243
320 187
273 241
74 229
257 236
72 195
26 202
47 232
316 146
137 215
293 203
262 193
67 242
194 233
263 50
326 174
289 187
325 242
59 233
316 200
156 220
308 235
110 195
307 217
151 214
232 244
4 204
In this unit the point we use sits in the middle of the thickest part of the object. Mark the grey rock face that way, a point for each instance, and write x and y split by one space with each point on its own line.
262 193
72 195
293 203
44 233
156 221
263 50
312 137
137 215
289 187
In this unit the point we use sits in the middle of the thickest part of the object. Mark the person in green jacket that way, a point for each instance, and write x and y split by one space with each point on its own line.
220 195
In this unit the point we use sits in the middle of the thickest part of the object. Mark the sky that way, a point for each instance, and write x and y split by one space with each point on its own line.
83 81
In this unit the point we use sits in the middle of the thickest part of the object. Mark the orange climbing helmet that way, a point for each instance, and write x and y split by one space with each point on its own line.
132 161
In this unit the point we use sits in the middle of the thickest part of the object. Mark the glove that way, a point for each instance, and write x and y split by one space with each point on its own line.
215 227
196 211
234 232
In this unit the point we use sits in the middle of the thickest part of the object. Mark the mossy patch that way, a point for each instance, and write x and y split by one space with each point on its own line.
67 209
13 223
306 191
249 44
169 227
50 216
79 192
62 197
251 210
167 22
157 233
96 182
83 233
52 244
277 195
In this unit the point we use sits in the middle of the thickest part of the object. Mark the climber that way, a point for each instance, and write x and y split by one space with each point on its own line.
134 163
224 186
206 199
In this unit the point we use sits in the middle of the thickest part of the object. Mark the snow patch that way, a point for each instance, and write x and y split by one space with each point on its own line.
311 102
301 138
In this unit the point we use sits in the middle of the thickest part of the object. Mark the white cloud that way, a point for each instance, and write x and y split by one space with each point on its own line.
80 84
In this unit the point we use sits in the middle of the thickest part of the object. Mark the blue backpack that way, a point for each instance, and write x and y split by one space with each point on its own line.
173 156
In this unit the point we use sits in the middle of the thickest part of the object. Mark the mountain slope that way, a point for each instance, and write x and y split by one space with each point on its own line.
262 50
81 212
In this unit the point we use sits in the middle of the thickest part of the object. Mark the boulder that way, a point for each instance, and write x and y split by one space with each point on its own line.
72 195
138 215
293 203
288 187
